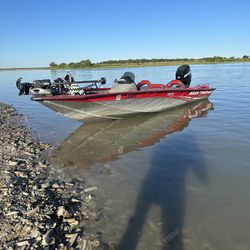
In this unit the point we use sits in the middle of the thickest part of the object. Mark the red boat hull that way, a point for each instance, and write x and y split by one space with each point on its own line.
118 104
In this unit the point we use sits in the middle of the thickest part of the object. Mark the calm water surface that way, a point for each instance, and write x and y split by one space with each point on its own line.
183 173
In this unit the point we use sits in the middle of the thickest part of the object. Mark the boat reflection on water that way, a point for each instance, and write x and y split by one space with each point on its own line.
108 139
129 197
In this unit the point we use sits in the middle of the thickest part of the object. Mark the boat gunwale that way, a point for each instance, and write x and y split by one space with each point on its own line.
131 93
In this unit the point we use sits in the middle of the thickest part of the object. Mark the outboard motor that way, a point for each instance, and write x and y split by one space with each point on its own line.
183 73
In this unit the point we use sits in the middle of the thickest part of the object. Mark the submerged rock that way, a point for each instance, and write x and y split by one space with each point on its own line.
90 189
171 235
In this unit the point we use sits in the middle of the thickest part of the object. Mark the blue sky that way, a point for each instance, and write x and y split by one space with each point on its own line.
35 33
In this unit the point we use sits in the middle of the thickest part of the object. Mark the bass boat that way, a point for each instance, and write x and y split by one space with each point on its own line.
89 100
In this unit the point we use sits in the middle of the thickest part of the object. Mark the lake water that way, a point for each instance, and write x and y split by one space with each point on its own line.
173 180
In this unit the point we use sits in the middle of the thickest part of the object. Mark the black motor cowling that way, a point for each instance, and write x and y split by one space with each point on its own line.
183 73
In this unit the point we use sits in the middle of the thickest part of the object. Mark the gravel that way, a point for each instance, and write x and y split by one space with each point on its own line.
37 210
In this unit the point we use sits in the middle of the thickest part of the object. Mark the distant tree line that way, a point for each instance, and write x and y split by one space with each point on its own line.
87 63
81 64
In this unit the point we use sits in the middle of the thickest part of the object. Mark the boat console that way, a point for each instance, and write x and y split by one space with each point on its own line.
125 83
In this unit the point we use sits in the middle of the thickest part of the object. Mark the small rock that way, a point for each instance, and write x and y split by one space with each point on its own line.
84 245
35 234
55 186
20 174
72 237
88 198
71 221
47 238
75 200
60 211
22 243
86 190
45 185
12 213
95 243
12 163
32 212
42 165
69 184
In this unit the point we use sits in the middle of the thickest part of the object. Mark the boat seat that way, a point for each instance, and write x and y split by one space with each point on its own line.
147 85
156 86
175 84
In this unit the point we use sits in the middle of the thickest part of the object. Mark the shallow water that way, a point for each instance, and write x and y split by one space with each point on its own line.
174 180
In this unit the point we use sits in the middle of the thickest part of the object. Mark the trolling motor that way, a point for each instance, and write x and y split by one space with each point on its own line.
101 81
23 86
58 87
41 86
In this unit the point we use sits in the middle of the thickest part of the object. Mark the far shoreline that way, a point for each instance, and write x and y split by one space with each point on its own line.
129 65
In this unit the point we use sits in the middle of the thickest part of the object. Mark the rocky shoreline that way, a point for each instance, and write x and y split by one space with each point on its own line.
38 211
